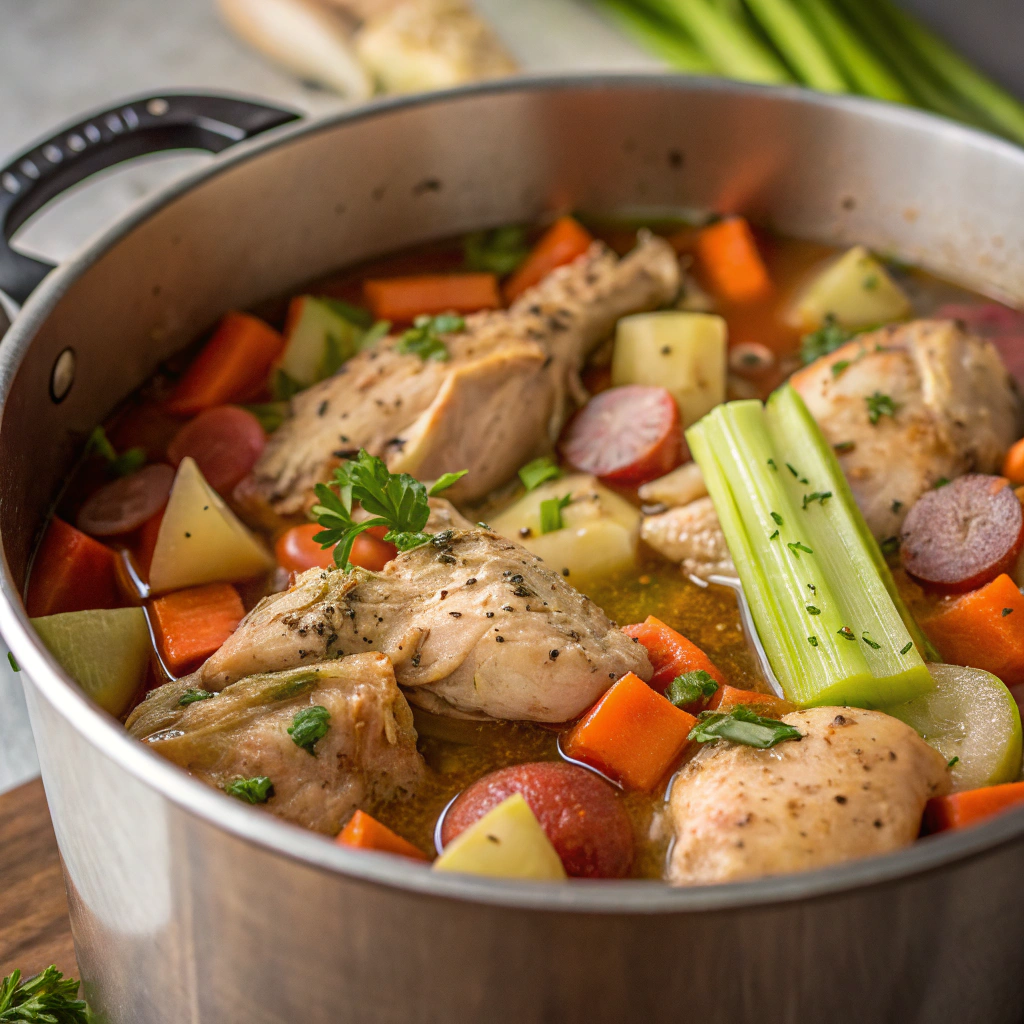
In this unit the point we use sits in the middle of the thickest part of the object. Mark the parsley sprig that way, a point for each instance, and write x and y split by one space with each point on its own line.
395 500
423 339
46 998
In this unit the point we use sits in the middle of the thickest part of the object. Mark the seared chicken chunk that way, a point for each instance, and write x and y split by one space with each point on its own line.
854 785
911 404
691 536
423 416
476 626
367 755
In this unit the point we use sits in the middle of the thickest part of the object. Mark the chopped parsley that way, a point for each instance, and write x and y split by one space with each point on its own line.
813 641
846 633
895 506
844 447
690 687
551 513
423 339
826 339
270 414
13 663
797 546
906 647
741 725
257 790
812 610
117 465
191 695
839 366
880 405
773 535
953 761
941 482
534 473
309 726
46 998
777 518
499 251
792 470
771 462
871 643
816 496
890 545
1007 611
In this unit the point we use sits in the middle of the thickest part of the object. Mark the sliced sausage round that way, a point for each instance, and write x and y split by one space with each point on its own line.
225 441
964 534
626 435
124 505
580 813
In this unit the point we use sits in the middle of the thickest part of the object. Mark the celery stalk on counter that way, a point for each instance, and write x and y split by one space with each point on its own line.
824 604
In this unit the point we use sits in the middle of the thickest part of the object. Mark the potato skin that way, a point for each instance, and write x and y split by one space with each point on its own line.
580 813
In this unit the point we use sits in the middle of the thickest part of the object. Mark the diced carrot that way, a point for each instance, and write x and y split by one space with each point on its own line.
191 624
958 810
71 573
725 698
670 652
632 734
366 833
1013 464
146 544
983 629
562 243
728 258
232 367
402 299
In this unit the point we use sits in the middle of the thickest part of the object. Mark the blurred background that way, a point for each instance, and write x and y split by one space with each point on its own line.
62 58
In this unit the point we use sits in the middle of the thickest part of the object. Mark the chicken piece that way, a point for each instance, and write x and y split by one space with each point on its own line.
476 626
692 536
367 756
426 415
855 785
956 411
684 484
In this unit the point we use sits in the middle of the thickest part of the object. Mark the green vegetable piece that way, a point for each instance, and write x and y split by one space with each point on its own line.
424 337
826 339
270 414
309 726
117 465
880 405
534 473
284 387
446 480
14 665
257 790
690 687
46 998
355 315
325 333
498 252
656 35
374 334
551 513
192 695
741 725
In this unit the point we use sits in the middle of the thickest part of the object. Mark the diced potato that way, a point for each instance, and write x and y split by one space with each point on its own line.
599 534
106 652
319 341
683 352
684 484
201 540
507 842
856 290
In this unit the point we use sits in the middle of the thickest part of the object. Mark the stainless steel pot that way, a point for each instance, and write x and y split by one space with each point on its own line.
190 907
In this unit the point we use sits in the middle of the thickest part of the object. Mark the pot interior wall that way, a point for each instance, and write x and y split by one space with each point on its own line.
339 192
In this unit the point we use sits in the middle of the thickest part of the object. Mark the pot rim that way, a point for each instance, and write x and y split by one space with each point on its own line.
193 797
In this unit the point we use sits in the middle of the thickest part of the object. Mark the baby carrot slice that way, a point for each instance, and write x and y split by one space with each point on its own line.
364 832
72 573
563 242
727 255
670 652
402 299
958 810
191 624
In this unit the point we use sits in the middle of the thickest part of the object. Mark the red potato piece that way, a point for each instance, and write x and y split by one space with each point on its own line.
225 441
626 435
580 813
963 535
124 505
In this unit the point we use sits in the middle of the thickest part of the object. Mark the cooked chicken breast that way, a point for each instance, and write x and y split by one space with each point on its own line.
691 536
476 626
423 416
956 411
854 785
367 756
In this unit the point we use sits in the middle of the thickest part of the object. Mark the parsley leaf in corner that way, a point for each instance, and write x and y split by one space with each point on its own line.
47 998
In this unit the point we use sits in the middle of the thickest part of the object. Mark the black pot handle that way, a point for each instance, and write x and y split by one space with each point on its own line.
149 124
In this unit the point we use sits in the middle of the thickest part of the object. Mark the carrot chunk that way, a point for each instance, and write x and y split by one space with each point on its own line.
670 652
727 256
402 299
232 367
1013 464
632 734
72 572
191 624
366 833
146 543
725 698
983 629
563 242
958 810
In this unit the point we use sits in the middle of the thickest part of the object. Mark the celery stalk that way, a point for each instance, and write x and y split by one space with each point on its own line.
814 587
664 41
798 44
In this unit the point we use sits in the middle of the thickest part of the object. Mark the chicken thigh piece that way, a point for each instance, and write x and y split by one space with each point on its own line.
692 536
854 785
476 626
423 416
366 756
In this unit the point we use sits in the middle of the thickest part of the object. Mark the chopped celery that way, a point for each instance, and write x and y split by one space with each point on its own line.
817 587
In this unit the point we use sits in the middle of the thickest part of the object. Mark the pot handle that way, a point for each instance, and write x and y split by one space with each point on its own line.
149 124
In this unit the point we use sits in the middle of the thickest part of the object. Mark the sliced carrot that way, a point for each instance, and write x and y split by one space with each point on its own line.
71 573
1013 464
146 543
566 240
728 258
983 629
670 652
725 698
958 810
403 299
191 624
366 833
232 367
632 734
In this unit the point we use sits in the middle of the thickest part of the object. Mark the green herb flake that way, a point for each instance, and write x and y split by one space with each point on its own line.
46 998
423 339
117 465
690 687
270 414
941 482
1007 611
812 588
498 252
772 536
443 482
846 633
895 506
871 643
870 282
771 462
191 695
792 470
777 518
284 387
906 647
890 545
825 340
880 405
309 726
370 338
813 641
844 447
257 790
551 513
952 761
13 663
797 546
839 366
816 496
534 473
741 725
812 610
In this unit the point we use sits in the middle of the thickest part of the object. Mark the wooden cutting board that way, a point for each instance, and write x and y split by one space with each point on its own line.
34 927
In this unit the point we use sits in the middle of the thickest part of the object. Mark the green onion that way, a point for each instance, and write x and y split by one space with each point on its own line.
741 725
551 513
191 695
534 473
